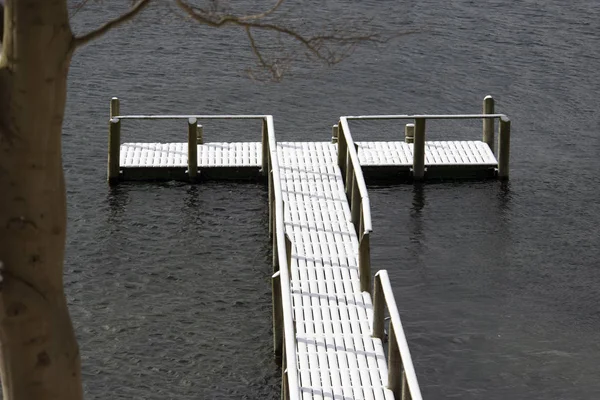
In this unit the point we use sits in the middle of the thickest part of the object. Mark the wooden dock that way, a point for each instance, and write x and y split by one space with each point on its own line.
328 315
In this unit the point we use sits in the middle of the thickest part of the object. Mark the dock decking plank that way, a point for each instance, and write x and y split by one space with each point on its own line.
333 317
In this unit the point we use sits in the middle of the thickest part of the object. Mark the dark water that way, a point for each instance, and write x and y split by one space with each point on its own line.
498 285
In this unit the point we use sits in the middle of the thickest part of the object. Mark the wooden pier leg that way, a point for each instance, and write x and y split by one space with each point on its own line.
277 318
265 147
271 204
409 133
114 150
342 150
285 389
334 133
378 328
348 178
355 204
115 108
192 149
503 148
275 251
488 123
288 253
419 150
199 134
364 262
394 365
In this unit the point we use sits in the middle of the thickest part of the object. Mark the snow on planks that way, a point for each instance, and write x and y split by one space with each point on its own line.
337 357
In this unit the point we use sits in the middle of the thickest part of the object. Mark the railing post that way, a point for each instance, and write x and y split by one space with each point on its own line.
199 134
419 150
503 148
394 365
192 149
277 318
275 251
271 203
409 133
488 123
364 261
342 150
348 177
288 252
114 150
334 133
406 395
378 309
115 108
285 389
355 205
265 147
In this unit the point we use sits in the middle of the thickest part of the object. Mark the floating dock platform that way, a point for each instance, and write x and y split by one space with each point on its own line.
329 323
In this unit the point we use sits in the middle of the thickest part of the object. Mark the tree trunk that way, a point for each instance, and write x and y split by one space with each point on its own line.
39 353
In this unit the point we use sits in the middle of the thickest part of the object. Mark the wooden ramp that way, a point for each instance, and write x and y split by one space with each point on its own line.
337 356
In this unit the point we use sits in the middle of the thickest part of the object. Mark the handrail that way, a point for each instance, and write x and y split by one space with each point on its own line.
358 198
195 137
290 384
197 116
419 169
402 379
502 117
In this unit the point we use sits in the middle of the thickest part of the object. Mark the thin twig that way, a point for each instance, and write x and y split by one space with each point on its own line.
264 14
314 44
88 37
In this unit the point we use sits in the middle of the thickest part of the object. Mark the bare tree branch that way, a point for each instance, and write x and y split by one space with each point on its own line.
328 48
88 37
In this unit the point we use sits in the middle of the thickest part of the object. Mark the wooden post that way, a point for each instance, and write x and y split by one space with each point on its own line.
288 252
394 365
334 134
199 134
355 205
342 150
115 109
277 318
114 150
285 390
265 147
271 203
349 176
364 262
503 148
378 309
275 251
488 123
419 150
192 149
409 133
406 395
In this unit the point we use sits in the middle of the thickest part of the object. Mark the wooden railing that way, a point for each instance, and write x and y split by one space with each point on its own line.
418 130
402 379
284 335
358 198
195 137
